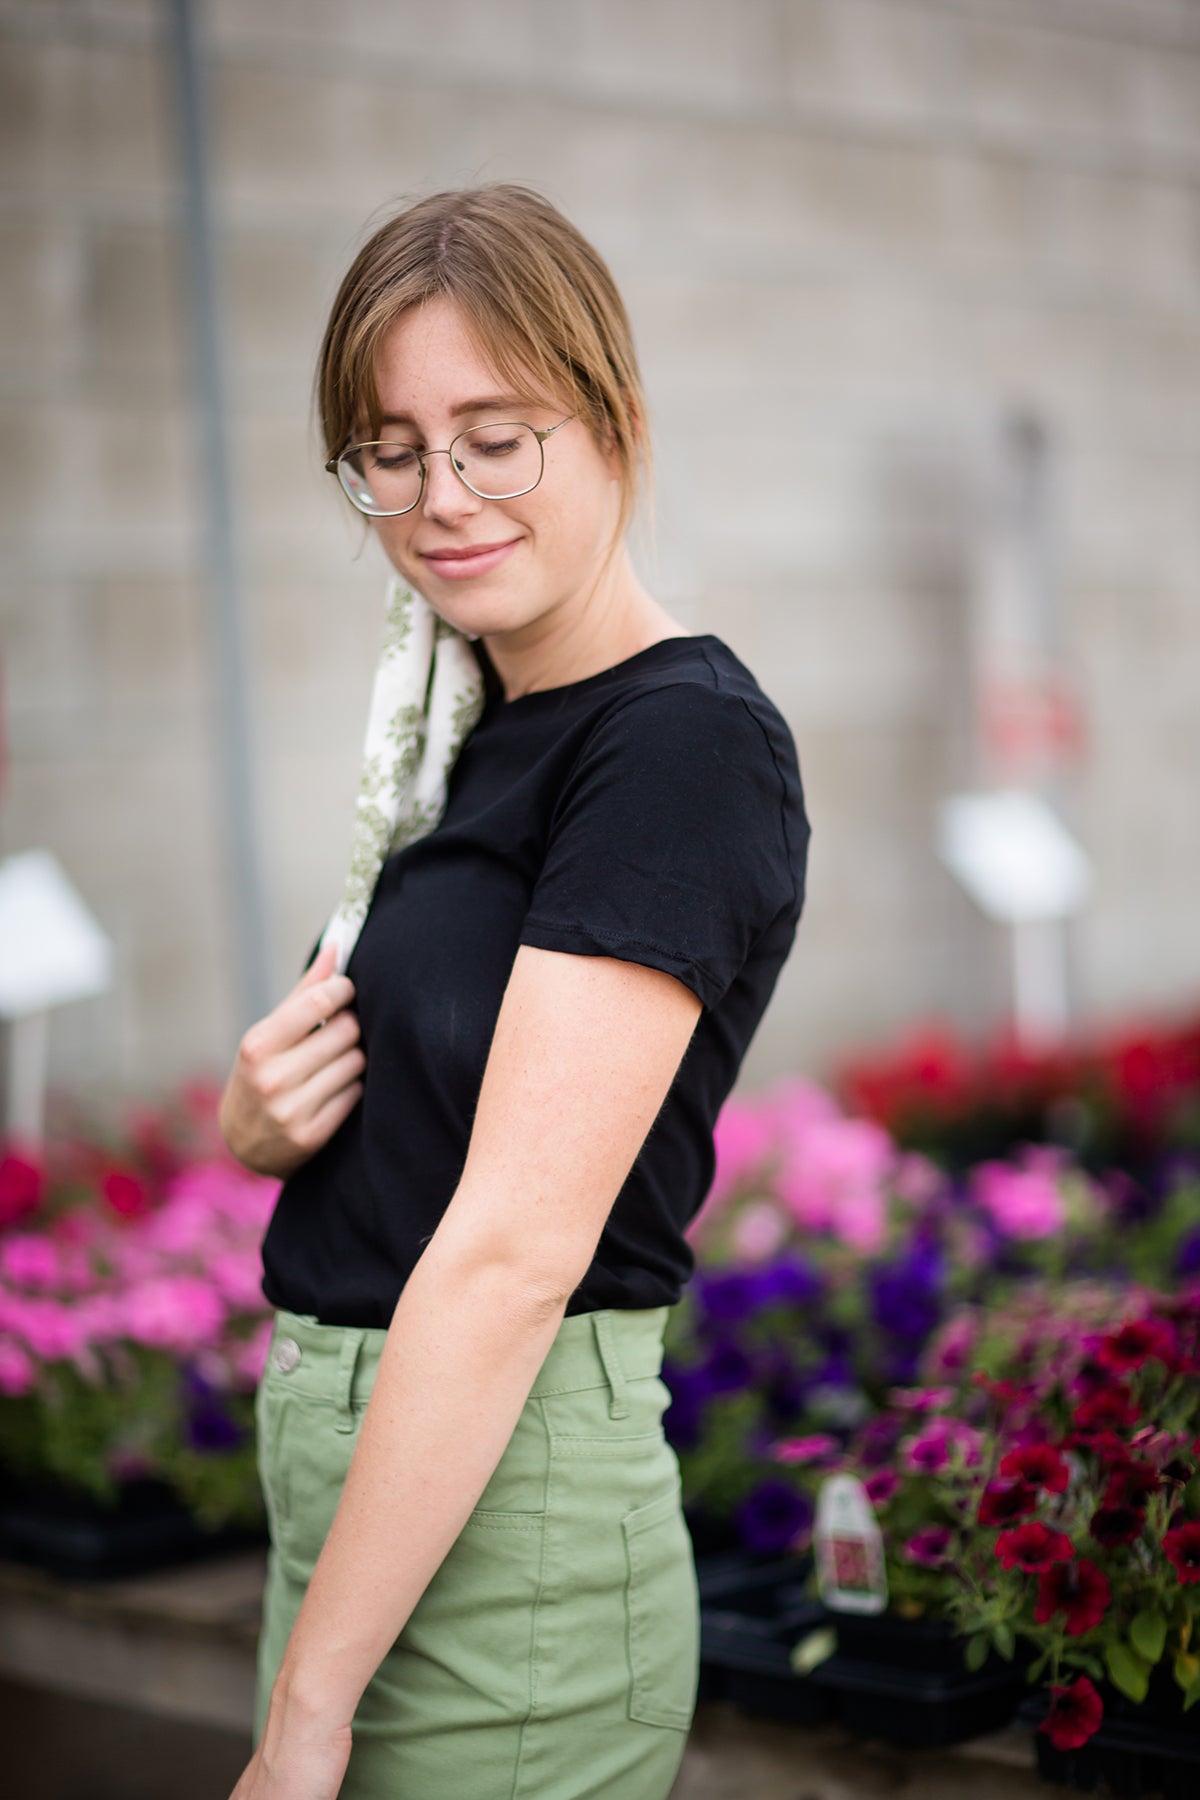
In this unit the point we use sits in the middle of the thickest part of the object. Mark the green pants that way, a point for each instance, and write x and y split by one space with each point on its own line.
555 1653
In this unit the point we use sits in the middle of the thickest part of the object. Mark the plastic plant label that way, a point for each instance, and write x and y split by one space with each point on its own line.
848 1546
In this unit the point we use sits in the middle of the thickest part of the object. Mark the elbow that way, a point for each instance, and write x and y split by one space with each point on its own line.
531 1284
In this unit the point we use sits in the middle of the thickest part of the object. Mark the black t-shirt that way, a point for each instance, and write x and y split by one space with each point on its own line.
652 812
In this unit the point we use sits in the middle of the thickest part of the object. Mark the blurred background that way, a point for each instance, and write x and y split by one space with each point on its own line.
932 266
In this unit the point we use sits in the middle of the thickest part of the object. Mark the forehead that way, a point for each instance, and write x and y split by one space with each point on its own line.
430 363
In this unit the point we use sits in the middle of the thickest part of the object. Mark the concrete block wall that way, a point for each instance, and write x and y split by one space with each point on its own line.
852 234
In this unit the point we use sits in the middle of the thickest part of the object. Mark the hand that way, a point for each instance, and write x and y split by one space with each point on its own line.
296 1074
296 1763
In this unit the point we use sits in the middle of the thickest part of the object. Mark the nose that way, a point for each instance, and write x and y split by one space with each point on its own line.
446 498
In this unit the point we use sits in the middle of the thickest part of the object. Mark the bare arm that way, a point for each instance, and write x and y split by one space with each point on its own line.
584 1052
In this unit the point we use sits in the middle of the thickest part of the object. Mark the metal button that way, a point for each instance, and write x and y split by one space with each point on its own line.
286 1355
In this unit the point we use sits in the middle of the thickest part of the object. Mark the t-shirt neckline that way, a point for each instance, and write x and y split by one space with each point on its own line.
499 704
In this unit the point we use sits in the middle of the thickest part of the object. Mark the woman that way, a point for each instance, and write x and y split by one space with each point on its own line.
480 1584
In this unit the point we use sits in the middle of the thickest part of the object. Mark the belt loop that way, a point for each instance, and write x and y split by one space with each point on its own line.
352 1342
606 1343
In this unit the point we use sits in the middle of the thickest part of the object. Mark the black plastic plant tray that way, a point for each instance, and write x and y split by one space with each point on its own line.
1128 1759
764 1587
749 1664
919 1709
750 1617
69 1532
907 1644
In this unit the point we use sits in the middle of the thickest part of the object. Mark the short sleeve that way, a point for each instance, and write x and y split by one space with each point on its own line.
668 843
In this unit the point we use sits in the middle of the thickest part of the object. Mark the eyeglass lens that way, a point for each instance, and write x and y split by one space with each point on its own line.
497 462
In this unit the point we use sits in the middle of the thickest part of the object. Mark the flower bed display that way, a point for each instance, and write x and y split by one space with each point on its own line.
1005 1352
828 1259
1126 1098
133 1333
1043 1496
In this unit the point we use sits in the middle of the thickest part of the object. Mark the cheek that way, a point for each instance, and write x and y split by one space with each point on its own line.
394 537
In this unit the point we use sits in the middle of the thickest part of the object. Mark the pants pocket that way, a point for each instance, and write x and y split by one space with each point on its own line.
662 1613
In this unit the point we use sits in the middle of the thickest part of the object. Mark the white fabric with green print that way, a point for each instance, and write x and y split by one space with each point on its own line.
427 695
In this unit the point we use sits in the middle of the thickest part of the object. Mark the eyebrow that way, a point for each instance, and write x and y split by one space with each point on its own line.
489 403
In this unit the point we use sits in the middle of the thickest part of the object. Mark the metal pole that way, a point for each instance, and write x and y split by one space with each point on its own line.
228 637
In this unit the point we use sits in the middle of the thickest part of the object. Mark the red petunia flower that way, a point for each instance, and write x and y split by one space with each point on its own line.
1133 1343
1109 1449
1002 1501
1107 1410
1078 1589
22 1183
1042 1464
125 1193
1033 1547
1182 1545
1112 1526
1075 1715
1131 1485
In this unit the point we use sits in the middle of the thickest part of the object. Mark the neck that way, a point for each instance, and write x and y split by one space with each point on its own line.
575 640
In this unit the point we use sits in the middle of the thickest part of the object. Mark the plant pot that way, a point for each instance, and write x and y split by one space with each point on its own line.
905 1682
69 1532
891 1641
751 1614
1136 1752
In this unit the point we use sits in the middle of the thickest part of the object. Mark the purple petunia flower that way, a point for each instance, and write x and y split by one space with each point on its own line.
727 1369
724 1297
208 1427
772 1516
906 1295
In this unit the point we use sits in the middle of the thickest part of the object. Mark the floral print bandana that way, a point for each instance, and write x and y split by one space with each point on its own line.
427 696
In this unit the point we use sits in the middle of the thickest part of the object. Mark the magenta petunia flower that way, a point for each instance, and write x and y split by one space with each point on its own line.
29 1259
819 1447
930 1547
18 1372
881 1486
933 1447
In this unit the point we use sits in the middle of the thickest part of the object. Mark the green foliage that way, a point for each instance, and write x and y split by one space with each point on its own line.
813 1649
1129 1671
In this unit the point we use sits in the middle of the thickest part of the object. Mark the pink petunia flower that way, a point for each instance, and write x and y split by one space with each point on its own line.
1023 1203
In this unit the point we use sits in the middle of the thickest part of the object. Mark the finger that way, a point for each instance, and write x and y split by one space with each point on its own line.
311 1060
339 1107
322 964
300 1013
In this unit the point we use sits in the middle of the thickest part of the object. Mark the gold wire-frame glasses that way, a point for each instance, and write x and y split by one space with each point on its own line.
361 470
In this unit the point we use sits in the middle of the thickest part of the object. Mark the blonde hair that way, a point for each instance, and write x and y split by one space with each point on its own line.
537 298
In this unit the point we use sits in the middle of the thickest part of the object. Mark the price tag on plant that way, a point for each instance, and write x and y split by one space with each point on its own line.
848 1547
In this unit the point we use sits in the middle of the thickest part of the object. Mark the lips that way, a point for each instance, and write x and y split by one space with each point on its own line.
460 561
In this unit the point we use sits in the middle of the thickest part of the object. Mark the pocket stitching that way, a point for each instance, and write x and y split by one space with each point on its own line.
642 1706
